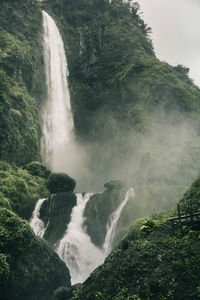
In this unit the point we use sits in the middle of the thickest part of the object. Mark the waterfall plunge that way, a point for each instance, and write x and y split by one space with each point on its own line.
76 249
60 153
57 121
36 223
112 222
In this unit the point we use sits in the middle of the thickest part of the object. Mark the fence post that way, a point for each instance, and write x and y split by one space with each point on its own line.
179 213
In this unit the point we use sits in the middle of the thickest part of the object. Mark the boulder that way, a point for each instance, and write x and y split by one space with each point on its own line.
114 185
60 182
97 212
56 212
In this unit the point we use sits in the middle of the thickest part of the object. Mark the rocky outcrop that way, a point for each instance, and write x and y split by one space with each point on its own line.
60 182
56 212
99 208
29 269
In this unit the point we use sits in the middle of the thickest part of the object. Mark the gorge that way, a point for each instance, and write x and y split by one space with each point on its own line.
89 103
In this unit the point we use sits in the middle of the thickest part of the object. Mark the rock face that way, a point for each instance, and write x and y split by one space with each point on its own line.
56 213
29 269
99 208
60 182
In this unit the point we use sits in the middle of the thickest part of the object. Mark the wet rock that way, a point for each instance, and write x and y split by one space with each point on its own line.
60 182
55 213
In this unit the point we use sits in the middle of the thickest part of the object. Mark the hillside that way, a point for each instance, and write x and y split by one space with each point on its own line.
157 259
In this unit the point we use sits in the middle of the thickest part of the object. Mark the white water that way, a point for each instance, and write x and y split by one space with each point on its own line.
112 223
76 249
36 223
57 119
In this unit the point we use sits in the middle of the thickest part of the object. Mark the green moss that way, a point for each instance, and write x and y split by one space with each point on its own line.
35 168
20 190
60 182
21 81
28 268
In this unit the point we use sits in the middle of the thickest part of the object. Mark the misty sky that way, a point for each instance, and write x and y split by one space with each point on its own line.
175 31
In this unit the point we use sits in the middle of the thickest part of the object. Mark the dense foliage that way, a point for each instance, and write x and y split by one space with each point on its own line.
29 269
156 260
19 190
21 80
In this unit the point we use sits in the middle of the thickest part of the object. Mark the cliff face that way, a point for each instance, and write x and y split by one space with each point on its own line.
22 80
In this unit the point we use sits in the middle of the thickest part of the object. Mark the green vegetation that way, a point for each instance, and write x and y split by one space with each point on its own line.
35 168
20 190
156 260
21 80
139 116
28 268
60 182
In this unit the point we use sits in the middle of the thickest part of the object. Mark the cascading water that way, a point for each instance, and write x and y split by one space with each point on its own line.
57 121
36 223
76 249
60 153
112 222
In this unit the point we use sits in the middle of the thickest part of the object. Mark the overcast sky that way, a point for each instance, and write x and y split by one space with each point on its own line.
175 31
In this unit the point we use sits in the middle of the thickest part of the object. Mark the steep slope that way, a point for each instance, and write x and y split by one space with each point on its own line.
158 259
29 269
22 80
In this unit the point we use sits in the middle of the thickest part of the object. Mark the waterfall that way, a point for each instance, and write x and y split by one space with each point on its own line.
36 223
112 222
57 120
76 249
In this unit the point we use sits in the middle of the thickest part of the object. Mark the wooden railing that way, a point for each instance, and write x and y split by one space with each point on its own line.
191 217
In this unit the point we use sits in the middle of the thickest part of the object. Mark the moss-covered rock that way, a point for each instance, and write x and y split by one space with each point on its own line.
97 212
35 168
60 182
56 212
114 185
29 268
21 189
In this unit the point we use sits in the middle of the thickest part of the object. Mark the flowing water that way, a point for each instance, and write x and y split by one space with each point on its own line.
76 249
61 153
112 222
36 223
57 120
